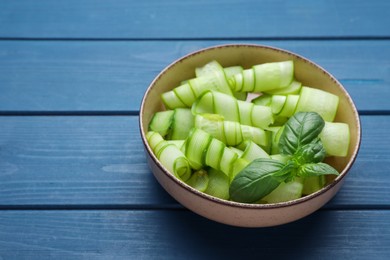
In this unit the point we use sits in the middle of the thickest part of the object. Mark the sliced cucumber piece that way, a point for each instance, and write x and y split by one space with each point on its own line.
171 100
288 109
273 75
161 122
261 116
285 192
312 184
229 107
263 100
212 124
185 94
252 151
182 123
227 161
320 101
214 153
170 156
199 180
277 103
218 185
196 146
293 88
335 138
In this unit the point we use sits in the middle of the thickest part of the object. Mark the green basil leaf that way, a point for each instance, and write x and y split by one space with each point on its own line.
257 180
310 153
300 129
316 169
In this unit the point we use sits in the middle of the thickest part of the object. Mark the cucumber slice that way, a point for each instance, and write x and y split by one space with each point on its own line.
212 124
312 184
285 192
207 69
237 82
175 161
196 147
161 122
276 131
226 106
218 185
241 95
273 75
169 155
280 157
236 150
204 104
335 138
263 100
248 80
257 135
154 139
211 76
320 101
214 153
233 70
178 143
289 106
252 151
229 107
185 94
293 88
199 180
182 123
277 103
227 161
229 132
233 133
245 110
238 166
261 116
171 100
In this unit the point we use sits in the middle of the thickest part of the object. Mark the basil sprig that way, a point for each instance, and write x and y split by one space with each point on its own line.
299 140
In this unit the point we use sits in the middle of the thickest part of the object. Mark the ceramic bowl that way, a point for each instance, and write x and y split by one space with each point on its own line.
242 214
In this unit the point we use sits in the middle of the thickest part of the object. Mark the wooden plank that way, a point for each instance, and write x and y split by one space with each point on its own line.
192 19
183 235
99 162
112 76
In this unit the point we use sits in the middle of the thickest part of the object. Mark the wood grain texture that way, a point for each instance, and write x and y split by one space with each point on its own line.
99 162
181 234
192 19
111 76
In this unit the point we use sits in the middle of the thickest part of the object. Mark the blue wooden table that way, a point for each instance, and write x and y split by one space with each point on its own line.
74 182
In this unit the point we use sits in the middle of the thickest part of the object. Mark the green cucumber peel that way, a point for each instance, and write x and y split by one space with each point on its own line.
299 140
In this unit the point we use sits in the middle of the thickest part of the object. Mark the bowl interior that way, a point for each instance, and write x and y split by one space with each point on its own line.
306 72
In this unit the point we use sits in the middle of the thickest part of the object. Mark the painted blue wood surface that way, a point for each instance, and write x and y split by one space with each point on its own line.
178 234
113 76
78 187
193 19
99 161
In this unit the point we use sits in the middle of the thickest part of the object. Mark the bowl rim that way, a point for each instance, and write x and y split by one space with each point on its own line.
235 204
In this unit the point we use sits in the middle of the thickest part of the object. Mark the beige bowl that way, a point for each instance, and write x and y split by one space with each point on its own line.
234 213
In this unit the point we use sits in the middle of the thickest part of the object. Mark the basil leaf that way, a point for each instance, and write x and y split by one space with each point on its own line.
257 180
316 169
310 153
300 129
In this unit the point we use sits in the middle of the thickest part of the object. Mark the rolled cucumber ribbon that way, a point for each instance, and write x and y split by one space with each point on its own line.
212 102
264 77
170 156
